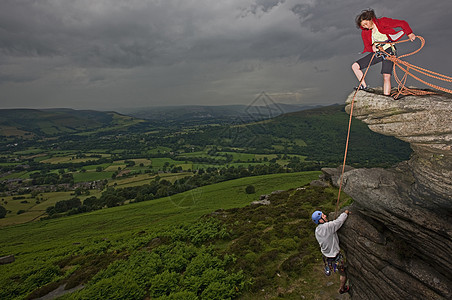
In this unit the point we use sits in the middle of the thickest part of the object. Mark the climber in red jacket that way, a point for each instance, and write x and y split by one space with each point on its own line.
375 31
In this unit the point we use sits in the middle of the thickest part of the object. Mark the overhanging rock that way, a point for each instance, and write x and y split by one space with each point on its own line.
399 236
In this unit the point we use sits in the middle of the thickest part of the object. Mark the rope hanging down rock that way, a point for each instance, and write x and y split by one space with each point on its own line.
348 135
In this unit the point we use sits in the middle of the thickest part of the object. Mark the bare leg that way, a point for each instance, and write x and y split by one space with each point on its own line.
387 84
343 280
358 73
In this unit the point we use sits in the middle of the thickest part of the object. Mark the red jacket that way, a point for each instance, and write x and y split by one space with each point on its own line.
385 26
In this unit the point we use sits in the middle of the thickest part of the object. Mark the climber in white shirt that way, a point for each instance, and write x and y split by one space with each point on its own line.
326 235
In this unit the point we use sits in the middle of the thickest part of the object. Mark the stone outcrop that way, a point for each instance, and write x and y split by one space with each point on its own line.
398 239
333 175
7 259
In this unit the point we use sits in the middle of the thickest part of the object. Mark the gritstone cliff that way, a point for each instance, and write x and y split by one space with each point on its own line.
398 240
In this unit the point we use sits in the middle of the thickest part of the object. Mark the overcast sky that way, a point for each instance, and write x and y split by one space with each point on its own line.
106 54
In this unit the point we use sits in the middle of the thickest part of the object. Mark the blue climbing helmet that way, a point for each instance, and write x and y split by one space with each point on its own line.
316 216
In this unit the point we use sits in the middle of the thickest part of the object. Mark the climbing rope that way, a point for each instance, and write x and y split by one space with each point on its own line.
401 90
348 135
398 62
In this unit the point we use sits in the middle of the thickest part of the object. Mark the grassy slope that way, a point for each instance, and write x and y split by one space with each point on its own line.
276 247
187 206
39 244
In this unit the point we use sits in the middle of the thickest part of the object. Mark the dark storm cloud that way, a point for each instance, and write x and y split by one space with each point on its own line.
203 51
91 33
111 34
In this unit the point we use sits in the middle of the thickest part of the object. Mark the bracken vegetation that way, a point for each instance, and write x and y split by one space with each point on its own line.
253 252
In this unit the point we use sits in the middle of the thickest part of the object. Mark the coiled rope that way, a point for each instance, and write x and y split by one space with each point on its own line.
401 90
398 62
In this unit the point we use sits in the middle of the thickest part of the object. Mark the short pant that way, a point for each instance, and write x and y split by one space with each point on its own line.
386 66
337 264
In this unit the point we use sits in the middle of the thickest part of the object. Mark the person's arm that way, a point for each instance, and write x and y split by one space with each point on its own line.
399 23
334 226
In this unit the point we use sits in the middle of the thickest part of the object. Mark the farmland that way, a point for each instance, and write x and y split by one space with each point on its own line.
118 151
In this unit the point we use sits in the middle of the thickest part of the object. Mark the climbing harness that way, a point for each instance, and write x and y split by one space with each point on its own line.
333 264
401 89
381 53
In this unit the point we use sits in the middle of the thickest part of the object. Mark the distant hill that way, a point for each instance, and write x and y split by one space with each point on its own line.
319 134
59 121
324 131
192 114
50 122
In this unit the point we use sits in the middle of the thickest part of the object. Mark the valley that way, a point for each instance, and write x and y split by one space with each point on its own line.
117 151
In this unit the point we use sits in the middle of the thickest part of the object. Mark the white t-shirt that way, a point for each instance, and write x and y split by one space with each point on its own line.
327 237
377 36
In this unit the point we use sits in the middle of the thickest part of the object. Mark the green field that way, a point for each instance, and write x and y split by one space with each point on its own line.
34 208
142 179
196 154
235 190
12 131
160 162
91 176
30 151
19 175
94 167
119 122
64 159
158 149
38 245
9 164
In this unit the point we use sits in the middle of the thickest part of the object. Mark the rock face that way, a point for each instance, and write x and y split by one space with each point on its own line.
398 239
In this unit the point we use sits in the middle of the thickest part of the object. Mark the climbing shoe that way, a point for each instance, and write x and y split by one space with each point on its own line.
364 88
327 270
345 290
